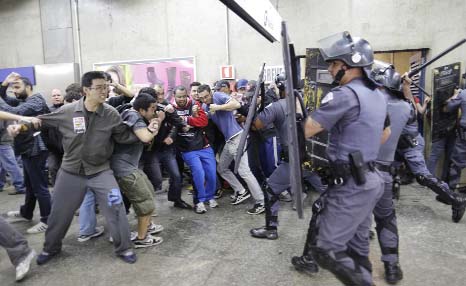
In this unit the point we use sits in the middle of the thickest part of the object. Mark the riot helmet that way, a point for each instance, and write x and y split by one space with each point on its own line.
384 74
354 52
280 81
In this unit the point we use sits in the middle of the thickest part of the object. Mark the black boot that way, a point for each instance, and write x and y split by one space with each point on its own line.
265 232
393 272
458 207
305 264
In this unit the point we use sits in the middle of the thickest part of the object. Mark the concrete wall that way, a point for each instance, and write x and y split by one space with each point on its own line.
114 30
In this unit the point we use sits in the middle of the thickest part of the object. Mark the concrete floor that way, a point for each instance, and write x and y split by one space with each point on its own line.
216 249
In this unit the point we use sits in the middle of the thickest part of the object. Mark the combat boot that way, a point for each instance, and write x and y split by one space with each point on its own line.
458 207
393 272
305 264
265 232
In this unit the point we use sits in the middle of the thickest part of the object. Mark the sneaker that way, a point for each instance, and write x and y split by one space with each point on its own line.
213 203
218 194
97 232
154 228
15 192
148 241
257 209
38 228
23 267
233 197
200 208
241 198
285 196
128 257
133 236
16 216
45 257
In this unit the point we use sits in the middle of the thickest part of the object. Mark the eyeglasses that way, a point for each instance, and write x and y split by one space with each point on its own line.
100 87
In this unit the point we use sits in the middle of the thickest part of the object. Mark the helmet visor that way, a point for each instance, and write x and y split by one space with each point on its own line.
336 45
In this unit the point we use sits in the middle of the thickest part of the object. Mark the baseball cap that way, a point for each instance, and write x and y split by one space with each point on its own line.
221 83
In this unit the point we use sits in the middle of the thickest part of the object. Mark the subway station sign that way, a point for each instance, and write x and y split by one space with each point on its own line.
259 14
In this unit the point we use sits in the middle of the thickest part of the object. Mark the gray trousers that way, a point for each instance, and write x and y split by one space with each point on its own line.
346 219
458 162
278 182
14 243
68 196
385 220
226 157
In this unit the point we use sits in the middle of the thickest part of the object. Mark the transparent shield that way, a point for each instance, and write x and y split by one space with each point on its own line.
336 45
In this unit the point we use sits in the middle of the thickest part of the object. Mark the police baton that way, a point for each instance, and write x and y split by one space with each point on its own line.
424 65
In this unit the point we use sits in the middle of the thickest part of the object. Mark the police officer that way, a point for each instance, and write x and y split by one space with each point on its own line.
279 180
458 158
384 211
411 148
355 115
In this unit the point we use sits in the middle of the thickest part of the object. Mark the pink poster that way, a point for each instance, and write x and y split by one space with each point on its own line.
166 72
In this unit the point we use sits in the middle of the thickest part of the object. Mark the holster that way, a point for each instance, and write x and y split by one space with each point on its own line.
407 141
338 172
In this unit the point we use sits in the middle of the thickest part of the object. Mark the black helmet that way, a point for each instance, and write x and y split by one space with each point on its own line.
384 74
354 52
280 81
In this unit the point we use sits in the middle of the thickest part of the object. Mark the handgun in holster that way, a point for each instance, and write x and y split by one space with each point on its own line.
357 167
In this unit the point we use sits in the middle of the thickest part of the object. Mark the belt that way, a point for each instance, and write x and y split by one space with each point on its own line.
383 167
338 173
392 170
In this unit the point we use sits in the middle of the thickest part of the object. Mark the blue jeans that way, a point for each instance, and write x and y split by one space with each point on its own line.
154 161
87 219
203 169
10 165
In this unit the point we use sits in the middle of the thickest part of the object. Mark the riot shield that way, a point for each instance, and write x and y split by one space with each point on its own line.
293 143
317 83
247 124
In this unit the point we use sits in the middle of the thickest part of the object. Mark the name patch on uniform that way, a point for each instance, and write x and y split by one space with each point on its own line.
79 125
327 98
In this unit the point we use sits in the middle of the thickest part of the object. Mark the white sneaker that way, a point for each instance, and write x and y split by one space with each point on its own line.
154 228
38 228
23 267
16 216
200 208
213 203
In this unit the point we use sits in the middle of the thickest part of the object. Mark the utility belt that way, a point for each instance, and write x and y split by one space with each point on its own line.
461 132
391 169
407 141
338 172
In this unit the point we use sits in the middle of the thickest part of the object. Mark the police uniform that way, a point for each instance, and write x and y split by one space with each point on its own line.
384 211
411 148
458 158
279 180
354 115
